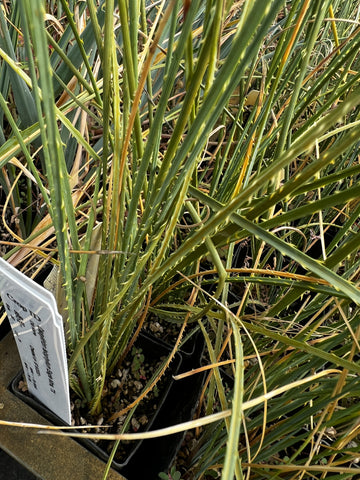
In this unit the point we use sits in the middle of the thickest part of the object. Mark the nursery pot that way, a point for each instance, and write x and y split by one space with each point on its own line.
152 349
55 458
148 457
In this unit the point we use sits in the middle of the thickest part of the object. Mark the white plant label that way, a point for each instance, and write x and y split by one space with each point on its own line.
39 333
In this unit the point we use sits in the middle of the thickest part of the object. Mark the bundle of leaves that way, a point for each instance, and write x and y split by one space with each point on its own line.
197 163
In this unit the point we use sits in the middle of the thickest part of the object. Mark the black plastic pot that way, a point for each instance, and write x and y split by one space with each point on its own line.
177 404
179 407
149 457
152 350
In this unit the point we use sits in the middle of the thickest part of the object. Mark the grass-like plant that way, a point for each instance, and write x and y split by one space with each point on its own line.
197 161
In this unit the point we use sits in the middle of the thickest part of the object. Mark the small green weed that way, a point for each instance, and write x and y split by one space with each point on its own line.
173 475
137 366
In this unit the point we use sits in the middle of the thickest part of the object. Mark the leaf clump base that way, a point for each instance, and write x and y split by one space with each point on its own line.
121 389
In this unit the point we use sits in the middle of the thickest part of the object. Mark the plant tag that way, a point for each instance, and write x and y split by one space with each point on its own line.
39 334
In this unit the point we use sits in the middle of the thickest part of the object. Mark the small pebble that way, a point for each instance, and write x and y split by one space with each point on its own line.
135 424
155 327
115 383
143 420
138 385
